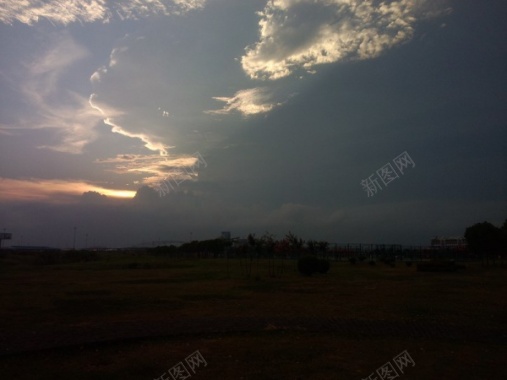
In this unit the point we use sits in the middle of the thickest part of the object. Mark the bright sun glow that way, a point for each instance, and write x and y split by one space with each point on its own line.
115 193
53 191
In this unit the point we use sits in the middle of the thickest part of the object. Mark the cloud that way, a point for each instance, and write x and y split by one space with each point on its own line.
248 102
149 141
300 34
290 215
130 94
48 104
94 197
53 191
76 122
140 98
153 168
42 76
96 77
69 11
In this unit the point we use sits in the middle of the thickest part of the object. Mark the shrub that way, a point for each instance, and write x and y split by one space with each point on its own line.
387 260
372 262
325 265
362 258
309 265
352 260
438 266
408 263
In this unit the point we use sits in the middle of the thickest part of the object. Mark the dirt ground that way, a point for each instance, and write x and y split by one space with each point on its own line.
103 320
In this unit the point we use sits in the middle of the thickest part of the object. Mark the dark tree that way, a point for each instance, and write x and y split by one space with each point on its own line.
268 242
295 243
323 247
311 245
503 241
251 240
484 239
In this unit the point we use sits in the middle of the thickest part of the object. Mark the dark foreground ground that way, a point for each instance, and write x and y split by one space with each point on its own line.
137 316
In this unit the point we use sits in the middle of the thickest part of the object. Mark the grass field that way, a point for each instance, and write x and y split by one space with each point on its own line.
128 316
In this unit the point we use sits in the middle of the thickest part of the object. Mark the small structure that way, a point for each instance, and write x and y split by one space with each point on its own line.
4 236
455 243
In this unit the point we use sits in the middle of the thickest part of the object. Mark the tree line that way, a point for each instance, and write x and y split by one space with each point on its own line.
484 240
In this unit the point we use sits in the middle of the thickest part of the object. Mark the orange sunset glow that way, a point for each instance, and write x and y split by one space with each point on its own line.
57 191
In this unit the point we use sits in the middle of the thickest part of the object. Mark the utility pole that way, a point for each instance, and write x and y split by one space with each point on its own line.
74 240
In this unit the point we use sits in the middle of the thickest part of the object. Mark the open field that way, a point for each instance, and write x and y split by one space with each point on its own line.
130 316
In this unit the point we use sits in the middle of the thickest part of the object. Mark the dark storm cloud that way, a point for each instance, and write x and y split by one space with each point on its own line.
288 130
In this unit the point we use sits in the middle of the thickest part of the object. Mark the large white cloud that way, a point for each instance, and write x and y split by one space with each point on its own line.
69 11
300 34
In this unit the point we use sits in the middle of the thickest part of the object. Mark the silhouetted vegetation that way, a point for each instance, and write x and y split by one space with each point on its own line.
487 241
439 266
325 265
309 265
68 257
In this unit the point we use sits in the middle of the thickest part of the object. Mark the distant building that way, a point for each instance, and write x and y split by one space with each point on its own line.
457 242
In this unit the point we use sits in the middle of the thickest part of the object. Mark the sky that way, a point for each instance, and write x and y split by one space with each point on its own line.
353 121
